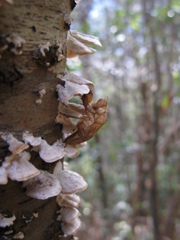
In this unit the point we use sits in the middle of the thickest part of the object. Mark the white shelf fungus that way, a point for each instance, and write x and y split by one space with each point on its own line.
19 168
77 44
6 221
30 139
71 227
79 80
69 90
69 214
71 182
50 153
68 200
15 146
42 186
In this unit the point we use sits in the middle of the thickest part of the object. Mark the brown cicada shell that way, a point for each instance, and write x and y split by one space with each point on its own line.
89 124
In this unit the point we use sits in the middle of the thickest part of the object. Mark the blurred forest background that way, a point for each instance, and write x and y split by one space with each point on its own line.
132 165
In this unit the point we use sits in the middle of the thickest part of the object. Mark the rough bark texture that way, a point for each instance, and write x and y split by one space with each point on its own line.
21 77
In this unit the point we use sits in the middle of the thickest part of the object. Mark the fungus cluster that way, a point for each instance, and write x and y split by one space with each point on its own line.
41 93
48 54
89 117
11 42
78 44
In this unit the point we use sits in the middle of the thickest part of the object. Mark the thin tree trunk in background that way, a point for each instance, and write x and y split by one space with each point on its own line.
21 78
102 181
172 214
154 142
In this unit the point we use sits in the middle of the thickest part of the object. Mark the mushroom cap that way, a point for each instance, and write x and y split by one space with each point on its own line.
51 153
15 146
68 214
42 186
71 182
75 48
19 168
68 200
71 227
6 221
71 152
85 38
3 176
69 90
30 139
80 80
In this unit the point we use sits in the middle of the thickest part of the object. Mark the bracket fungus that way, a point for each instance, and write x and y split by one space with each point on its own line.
50 153
71 182
6 221
68 200
69 214
70 89
79 123
30 139
19 168
71 227
42 186
77 44
15 146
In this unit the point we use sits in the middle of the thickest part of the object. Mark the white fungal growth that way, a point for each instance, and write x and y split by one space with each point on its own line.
30 139
38 101
3 176
59 52
42 186
67 19
42 92
6 221
77 44
51 153
43 47
15 146
68 200
69 90
71 182
17 42
19 235
71 227
19 168
69 214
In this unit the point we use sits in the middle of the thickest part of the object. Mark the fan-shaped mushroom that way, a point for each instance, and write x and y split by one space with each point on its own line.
71 227
71 182
15 146
42 186
51 153
19 168
68 200
68 214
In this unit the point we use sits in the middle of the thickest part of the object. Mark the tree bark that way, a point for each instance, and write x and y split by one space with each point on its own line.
22 76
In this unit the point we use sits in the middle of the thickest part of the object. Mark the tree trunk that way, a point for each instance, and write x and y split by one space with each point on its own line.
22 77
